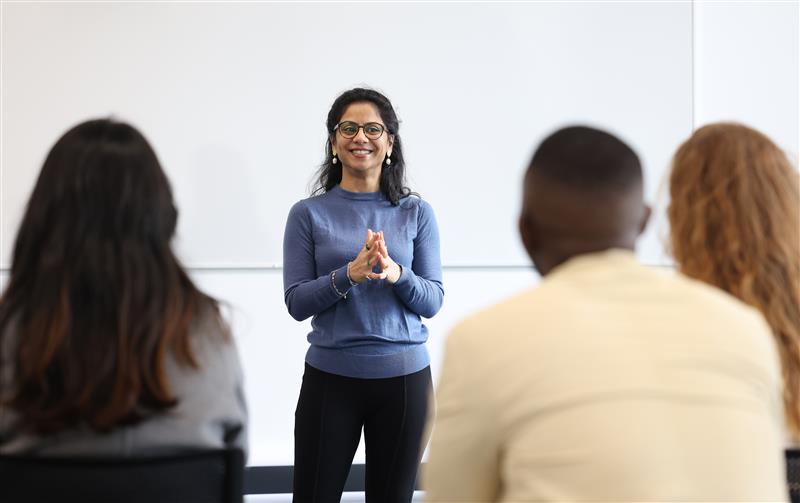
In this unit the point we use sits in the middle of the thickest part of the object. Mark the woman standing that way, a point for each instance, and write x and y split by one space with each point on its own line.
362 257
735 223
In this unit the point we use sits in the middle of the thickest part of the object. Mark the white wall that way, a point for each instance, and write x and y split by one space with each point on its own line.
233 98
746 67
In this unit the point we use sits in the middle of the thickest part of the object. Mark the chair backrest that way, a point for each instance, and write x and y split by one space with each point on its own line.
793 474
197 477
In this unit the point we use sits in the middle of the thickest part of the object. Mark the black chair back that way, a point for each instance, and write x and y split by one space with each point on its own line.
793 474
198 477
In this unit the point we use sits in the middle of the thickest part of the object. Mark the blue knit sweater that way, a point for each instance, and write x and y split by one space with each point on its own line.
375 331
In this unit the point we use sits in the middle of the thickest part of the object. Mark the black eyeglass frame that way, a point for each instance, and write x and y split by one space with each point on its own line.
384 129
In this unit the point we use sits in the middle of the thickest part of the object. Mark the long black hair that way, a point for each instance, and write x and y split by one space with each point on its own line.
393 176
96 297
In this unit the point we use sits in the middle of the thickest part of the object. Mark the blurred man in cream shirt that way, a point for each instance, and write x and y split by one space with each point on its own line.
610 381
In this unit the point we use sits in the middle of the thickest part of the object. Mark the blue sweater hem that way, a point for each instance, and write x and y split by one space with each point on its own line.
368 366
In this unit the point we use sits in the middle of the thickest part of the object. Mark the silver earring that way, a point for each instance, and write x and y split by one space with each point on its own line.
388 160
334 160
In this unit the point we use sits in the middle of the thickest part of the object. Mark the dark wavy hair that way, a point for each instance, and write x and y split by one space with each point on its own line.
96 299
393 176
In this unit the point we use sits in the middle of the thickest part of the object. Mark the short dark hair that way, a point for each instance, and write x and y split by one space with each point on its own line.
393 176
96 299
587 159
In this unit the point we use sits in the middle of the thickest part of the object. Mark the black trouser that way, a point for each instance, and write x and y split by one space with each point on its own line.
330 414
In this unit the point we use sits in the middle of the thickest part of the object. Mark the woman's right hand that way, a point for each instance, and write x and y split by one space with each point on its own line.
360 269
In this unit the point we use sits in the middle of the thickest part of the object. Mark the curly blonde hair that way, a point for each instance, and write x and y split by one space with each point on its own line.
735 223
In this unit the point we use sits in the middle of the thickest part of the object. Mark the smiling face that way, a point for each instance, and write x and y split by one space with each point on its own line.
360 155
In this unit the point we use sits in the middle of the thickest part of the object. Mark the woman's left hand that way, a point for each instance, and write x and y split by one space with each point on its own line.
390 268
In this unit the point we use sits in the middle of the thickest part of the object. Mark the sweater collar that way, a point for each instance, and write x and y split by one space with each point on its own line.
358 196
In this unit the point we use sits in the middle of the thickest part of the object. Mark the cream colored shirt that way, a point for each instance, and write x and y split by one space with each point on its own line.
611 381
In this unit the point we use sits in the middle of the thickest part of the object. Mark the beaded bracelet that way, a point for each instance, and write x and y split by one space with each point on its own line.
333 284
352 283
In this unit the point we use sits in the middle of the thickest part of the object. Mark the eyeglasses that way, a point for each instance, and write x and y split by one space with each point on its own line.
373 130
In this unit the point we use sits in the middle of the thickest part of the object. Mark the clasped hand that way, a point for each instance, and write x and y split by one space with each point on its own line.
373 253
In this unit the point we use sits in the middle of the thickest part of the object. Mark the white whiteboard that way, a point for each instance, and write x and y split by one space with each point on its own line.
234 98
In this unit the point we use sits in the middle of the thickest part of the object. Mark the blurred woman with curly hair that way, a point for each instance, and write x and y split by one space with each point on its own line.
735 223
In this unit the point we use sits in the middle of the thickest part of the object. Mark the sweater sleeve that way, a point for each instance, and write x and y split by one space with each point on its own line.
304 292
420 288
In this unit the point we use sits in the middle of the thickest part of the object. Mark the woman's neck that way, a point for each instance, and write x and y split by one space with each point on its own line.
357 184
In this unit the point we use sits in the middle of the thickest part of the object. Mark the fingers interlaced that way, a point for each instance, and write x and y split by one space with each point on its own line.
374 253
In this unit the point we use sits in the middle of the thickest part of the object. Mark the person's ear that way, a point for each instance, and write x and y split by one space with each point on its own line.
528 234
391 143
645 219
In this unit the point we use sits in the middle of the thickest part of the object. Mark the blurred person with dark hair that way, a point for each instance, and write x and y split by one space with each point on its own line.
107 347
611 380
735 223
